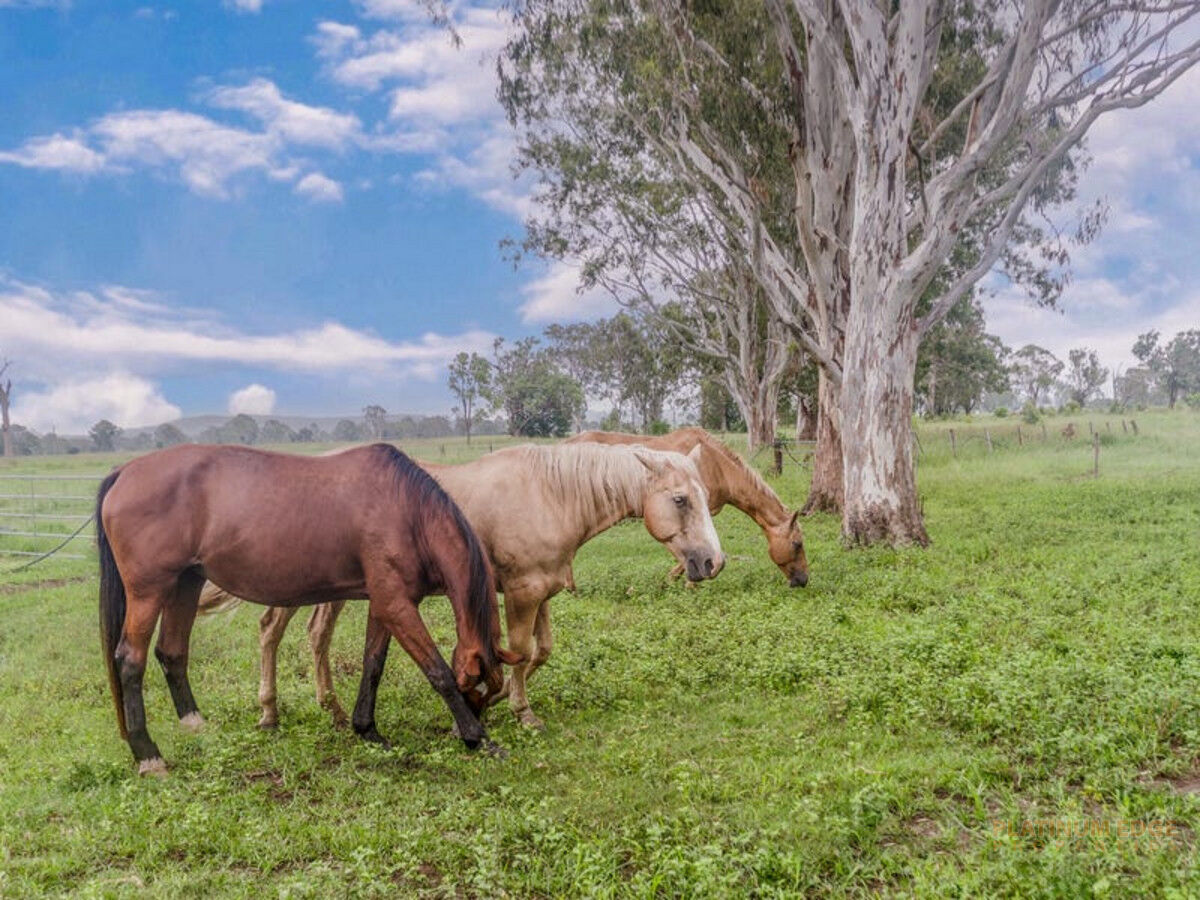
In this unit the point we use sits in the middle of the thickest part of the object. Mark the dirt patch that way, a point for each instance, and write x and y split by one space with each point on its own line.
276 791
923 827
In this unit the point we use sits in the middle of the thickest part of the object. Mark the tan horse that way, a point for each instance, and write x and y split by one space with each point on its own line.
533 507
728 479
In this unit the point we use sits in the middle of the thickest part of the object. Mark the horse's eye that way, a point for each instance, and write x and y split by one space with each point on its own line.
680 500
796 545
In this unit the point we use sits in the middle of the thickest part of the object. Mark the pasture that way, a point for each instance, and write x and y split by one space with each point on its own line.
1014 711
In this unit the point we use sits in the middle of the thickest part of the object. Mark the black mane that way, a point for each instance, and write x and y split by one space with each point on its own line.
420 487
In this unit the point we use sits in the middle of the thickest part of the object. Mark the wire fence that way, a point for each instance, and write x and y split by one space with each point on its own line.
44 515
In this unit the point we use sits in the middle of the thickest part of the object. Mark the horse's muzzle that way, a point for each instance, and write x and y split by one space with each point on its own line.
798 579
701 566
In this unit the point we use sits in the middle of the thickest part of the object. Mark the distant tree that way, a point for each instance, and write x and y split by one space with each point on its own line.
1175 365
434 427
241 429
537 398
5 399
308 433
25 442
276 432
104 435
374 421
1085 375
346 430
1133 387
1034 372
959 362
718 411
469 377
168 435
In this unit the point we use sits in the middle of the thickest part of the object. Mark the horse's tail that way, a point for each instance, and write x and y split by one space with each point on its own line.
112 603
215 600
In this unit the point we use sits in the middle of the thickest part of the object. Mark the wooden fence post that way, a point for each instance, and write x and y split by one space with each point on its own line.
1095 455
1043 432
1020 440
777 445
1108 427
953 445
1091 430
987 434
1124 427
1133 422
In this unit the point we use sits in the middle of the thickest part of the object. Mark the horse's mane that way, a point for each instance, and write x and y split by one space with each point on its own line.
591 481
427 495
738 462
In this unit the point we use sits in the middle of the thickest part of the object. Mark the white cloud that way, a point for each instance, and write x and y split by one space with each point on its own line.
555 297
245 6
253 399
206 154
294 122
319 188
82 330
73 406
56 152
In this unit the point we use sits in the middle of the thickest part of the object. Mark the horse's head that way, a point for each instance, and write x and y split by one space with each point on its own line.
785 543
675 510
480 683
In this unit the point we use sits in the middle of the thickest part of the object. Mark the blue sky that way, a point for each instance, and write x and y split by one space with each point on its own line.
306 199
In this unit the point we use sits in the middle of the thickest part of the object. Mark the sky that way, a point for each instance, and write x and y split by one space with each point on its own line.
278 206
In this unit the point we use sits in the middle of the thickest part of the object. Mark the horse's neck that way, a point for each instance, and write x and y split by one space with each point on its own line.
741 490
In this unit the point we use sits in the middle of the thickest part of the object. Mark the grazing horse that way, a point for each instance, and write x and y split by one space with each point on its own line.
533 507
287 531
729 479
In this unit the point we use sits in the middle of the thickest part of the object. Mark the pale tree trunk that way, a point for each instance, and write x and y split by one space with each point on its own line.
806 418
826 492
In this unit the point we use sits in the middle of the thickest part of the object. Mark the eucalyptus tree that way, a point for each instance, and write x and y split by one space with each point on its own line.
470 375
1175 365
1085 375
1035 371
853 154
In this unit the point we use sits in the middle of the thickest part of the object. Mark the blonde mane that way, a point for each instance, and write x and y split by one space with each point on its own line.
594 481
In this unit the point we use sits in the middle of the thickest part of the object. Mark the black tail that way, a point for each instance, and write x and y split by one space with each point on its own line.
112 604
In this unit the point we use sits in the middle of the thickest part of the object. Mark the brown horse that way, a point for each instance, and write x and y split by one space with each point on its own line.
729 480
287 531
533 507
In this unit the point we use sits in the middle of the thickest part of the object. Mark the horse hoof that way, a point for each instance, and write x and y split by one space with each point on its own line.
268 724
193 722
154 767
529 720
340 719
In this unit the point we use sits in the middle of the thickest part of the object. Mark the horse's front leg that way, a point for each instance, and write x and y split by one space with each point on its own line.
402 618
320 633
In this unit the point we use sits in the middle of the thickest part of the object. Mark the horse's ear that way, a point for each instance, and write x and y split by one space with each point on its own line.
793 520
654 465
509 657
694 453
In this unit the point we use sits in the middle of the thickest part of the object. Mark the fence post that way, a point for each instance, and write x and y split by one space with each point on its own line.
777 446
1124 427
1095 455
1108 427
1043 432
1133 422
1020 439
1091 430
987 434
953 445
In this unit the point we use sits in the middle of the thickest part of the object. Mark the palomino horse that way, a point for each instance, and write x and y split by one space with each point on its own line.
533 507
729 480
287 531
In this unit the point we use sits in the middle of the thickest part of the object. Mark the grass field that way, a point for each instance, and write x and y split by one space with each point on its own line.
1013 712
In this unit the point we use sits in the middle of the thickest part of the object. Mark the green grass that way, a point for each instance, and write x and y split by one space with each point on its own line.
894 728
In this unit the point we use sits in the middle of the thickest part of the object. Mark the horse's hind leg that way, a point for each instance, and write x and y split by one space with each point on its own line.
521 611
544 636
179 612
141 615
271 626
320 633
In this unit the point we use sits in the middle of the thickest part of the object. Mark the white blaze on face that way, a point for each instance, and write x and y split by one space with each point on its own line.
710 529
